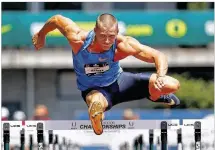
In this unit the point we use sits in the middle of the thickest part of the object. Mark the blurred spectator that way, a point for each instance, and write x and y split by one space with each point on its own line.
19 116
4 113
130 115
41 113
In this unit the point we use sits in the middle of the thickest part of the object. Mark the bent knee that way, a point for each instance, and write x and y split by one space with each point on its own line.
96 96
174 84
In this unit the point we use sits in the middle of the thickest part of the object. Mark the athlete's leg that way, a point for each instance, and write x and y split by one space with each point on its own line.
134 86
165 94
97 104
96 95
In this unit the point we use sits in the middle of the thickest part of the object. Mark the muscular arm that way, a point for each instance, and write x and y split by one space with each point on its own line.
66 26
131 46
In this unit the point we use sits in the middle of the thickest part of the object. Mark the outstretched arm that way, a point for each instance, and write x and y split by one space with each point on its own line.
65 25
131 46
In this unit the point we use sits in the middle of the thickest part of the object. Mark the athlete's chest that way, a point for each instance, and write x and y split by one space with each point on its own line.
97 58
94 64
107 57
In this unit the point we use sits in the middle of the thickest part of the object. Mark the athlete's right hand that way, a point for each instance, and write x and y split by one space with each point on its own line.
38 40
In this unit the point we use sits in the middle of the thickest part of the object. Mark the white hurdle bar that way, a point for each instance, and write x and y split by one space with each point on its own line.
110 124
197 126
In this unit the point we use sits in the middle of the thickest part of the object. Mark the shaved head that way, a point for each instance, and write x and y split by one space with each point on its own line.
106 31
106 20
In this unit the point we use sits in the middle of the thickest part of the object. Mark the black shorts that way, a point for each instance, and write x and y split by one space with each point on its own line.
128 87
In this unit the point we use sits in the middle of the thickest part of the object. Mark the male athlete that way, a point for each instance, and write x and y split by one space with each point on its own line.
100 78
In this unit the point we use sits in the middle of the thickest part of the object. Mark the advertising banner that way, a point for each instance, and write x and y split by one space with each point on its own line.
151 28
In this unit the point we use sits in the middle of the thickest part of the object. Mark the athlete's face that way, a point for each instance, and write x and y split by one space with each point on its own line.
105 36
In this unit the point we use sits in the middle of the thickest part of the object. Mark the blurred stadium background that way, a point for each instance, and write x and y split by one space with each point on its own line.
41 85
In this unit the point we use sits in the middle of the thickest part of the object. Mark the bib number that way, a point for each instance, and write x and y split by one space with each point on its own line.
95 69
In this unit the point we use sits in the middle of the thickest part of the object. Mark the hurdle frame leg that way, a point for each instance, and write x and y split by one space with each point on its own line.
151 139
197 134
179 139
22 139
40 136
50 145
6 136
163 135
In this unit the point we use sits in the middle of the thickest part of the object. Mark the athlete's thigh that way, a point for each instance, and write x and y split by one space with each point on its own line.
133 86
98 94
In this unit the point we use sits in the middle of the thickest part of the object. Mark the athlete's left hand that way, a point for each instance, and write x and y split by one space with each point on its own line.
160 82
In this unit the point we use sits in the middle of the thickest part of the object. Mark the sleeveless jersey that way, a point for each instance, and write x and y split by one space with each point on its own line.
95 69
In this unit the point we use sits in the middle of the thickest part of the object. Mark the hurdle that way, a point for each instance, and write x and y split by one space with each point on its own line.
50 146
40 140
197 128
31 142
6 136
163 135
69 144
120 124
64 146
141 142
151 139
124 146
135 145
56 143
158 143
22 139
179 139
138 143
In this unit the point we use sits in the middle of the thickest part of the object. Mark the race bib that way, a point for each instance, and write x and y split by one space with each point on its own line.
94 69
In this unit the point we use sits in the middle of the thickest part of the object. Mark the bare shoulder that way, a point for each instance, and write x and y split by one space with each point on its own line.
69 28
72 31
127 44
78 40
124 47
